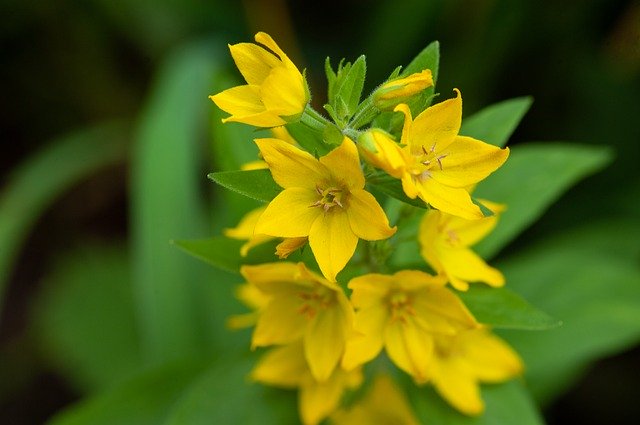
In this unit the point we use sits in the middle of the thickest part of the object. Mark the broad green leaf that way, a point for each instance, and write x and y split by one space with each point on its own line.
495 124
255 184
36 183
167 204
310 139
534 176
144 399
502 308
85 305
505 404
224 253
224 395
588 278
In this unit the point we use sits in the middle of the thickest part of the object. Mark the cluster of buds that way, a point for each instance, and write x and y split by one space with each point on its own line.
330 315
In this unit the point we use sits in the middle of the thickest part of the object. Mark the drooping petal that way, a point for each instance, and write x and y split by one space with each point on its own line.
409 348
491 359
388 154
253 61
324 341
447 199
410 186
240 100
456 385
283 367
332 242
288 245
466 265
290 214
291 166
344 164
366 217
468 161
367 340
280 322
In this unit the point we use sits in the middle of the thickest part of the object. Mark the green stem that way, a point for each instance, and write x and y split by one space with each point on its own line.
365 113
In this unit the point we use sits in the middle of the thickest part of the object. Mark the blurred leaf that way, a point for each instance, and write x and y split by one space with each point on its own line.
86 304
502 308
534 176
224 253
37 182
255 184
505 404
143 399
167 204
224 395
495 123
589 279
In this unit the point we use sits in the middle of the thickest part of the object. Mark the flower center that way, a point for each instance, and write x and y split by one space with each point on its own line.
426 161
401 307
319 298
329 197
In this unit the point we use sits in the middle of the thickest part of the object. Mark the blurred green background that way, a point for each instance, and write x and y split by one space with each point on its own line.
108 135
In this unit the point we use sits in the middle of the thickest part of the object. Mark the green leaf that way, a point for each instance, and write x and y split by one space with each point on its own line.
224 395
508 403
224 253
502 308
495 124
255 184
85 304
144 399
588 278
345 87
166 204
534 176
310 139
34 185
393 187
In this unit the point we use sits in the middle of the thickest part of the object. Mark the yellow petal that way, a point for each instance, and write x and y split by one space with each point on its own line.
439 310
282 134
469 232
239 100
456 385
266 40
283 92
253 61
491 359
258 164
280 322
291 166
332 242
288 245
409 348
344 164
290 214
366 217
410 186
468 161
244 229
388 154
436 127
366 342
261 119
317 400
453 201
282 367
324 341
369 290
464 264
272 278
413 280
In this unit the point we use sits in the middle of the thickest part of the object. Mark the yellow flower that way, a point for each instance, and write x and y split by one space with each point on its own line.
323 199
402 312
445 241
301 305
253 298
244 231
433 162
286 367
400 90
384 404
462 361
275 93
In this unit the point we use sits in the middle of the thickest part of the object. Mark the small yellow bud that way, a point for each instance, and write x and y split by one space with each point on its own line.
393 92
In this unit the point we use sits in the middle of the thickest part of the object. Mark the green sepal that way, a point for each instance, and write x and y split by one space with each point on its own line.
255 184
345 88
502 308
332 135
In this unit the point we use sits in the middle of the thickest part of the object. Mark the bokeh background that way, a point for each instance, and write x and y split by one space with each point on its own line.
107 138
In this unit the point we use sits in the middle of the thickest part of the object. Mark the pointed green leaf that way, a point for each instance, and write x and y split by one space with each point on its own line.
534 176
495 124
502 308
256 184
309 139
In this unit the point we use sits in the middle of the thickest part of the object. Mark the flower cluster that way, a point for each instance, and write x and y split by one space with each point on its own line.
328 316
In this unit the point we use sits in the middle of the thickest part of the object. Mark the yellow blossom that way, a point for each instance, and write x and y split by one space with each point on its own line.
433 162
286 367
275 93
400 90
244 231
301 305
462 361
253 298
384 404
401 313
323 199
444 243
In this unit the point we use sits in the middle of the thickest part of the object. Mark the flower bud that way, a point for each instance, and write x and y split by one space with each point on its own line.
400 90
